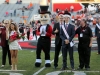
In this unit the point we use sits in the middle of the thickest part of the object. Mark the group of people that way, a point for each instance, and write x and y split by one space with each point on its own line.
28 28
64 36
9 46
65 33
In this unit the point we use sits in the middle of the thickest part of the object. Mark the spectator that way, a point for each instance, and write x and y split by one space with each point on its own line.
11 12
22 11
28 31
15 12
34 29
6 13
71 8
32 23
6 1
19 2
30 6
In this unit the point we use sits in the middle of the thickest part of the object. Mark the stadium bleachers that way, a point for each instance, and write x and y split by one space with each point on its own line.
12 6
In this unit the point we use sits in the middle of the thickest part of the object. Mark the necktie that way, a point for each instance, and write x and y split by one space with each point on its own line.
66 27
61 23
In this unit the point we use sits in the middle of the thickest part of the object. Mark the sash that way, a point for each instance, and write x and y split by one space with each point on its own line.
66 34
98 26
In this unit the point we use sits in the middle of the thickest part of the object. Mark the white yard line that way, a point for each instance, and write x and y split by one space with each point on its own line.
44 67
75 72
80 71
32 51
16 74
11 70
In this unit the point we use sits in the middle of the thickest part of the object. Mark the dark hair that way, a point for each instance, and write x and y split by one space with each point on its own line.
15 27
85 21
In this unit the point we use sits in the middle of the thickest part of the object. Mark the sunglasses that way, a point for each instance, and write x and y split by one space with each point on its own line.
6 23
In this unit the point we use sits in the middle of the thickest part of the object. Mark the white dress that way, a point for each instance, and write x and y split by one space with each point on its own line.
14 45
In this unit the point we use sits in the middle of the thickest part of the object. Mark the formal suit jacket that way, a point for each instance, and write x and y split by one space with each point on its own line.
57 37
97 32
3 37
71 32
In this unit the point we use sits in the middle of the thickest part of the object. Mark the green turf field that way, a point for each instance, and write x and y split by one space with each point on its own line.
26 60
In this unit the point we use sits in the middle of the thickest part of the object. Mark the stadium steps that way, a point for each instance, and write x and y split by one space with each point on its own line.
34 11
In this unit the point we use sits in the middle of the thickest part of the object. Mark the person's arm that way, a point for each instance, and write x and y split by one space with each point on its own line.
49 31
62 34
91 37
96 31
0 33
54 28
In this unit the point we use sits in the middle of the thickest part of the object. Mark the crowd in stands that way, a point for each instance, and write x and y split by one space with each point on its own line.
75 18
17 2
14 12
85 13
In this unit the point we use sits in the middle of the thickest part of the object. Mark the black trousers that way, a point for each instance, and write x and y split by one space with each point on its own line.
65 50
98 42
34 33
5 51
84 52
28 35
57 51
43 44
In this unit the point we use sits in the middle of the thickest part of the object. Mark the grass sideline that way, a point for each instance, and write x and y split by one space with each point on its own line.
26 60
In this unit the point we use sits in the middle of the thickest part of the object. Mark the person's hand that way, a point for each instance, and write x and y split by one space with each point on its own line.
0 31
11 40
42 32
90 45
56 31
66 41
96 37
7 27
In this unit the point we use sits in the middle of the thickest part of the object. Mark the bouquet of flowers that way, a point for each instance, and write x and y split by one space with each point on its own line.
16 36
21 36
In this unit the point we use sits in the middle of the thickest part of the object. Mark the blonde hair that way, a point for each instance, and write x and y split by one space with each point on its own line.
7 21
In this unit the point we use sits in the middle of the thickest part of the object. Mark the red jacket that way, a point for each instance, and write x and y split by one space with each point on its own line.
3 36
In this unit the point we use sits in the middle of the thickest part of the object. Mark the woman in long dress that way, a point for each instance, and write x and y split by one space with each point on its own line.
14 46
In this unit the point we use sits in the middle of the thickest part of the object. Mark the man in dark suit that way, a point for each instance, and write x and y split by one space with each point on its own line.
66 47
58 41
97 34
4 42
